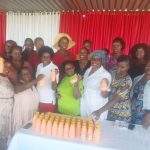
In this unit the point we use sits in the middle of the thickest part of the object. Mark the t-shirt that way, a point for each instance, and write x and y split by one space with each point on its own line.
67 104
47 94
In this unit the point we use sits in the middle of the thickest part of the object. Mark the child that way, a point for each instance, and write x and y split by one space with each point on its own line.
47 86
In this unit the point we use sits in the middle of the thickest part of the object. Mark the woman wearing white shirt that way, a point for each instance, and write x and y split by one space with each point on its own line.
94 95
140 96
47 86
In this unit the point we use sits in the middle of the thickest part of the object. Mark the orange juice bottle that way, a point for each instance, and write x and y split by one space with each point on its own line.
43 126
55 127
83 132
90 133
96 134
35 119
72 131
49 127
60 128
38 125
66 130
78 129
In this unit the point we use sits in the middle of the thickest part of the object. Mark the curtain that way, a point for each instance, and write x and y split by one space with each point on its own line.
102 27
32 25
2 30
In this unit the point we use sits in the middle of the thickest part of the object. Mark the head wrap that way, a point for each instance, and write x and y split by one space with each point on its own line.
100 54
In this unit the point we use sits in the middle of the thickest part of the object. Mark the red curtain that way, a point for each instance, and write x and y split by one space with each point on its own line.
2 30
102 27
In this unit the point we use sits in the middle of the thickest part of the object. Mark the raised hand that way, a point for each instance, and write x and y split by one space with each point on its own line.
1 65
53 75
41 80
104 84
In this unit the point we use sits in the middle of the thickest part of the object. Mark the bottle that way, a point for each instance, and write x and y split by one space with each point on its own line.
55 128
78 129
38 125
43 126
35 119
90 133
72 131
96 134
66 130
49 127
60 129
83 132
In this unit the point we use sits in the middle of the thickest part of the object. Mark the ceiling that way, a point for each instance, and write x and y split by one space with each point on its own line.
74 5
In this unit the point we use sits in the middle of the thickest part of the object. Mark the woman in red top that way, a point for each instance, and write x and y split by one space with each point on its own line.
63 42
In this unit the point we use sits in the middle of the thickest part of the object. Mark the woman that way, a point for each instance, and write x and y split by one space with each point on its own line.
6 102
26 99
83 63
38 43
9 44
140 96
94 97
17 60
47 86
87 44
140 53
63 42
118 45
119 104
30 55
69 91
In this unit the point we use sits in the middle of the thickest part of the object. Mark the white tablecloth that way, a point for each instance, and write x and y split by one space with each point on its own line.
111 139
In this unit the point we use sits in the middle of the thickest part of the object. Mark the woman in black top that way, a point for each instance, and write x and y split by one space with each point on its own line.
83 63
140 53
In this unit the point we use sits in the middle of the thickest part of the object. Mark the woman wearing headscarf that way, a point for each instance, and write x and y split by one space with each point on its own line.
96 83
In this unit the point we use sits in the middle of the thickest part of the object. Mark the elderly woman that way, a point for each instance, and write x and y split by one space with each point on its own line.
119 104
94 95
69 91
63 42
6 102
118 45
140 54
140 96
83 63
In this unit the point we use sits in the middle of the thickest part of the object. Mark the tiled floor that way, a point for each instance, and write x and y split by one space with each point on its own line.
3 144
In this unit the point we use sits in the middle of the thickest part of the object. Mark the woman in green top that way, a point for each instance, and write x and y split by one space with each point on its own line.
69 91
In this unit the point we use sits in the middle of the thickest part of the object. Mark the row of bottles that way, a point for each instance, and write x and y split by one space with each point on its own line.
66 127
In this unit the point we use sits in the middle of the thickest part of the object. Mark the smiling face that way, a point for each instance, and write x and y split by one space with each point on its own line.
140 53
63 43
83 55
46 59
96 62
26 75
69 70
116 46
122 68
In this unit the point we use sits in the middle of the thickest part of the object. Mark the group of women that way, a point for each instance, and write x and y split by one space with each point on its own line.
107 86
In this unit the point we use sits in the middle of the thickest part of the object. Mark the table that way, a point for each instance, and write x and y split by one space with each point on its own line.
111 139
